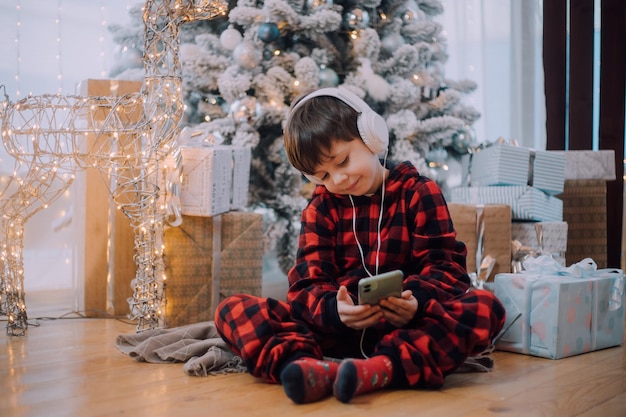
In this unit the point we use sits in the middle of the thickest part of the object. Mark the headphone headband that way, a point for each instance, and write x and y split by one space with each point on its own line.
372 127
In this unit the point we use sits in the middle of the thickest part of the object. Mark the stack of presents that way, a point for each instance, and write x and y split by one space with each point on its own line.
535 225
217 250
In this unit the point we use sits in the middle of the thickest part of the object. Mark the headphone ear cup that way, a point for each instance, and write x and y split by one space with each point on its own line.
374 131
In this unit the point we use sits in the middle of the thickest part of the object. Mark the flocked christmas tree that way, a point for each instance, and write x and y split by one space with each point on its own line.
241 73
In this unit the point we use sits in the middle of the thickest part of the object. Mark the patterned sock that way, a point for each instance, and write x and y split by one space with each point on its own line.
358 376
308 379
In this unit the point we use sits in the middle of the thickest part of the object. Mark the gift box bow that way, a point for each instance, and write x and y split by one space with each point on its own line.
547 265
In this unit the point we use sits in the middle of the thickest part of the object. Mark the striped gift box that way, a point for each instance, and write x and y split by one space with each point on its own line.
505 164
527 203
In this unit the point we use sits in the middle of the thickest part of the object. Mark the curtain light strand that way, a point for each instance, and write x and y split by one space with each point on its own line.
58 56
18 60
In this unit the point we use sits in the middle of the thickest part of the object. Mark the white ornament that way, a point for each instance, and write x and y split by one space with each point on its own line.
230 38
391 42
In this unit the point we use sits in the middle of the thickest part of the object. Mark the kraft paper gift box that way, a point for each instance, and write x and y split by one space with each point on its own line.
100 93
550 238
505 164
585 205
108 248
556 312
207 180
208 259
584 210
527 203
496 237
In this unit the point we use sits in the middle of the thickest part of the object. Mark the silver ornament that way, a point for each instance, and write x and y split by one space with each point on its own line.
328 77
246 110
247 55
357 18
312 5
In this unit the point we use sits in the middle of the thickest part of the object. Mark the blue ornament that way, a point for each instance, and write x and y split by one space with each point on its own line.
268 32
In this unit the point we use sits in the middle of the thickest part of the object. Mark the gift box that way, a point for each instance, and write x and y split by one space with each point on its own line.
106 254
550 238
556 312
585 203
505 164
584 210
496 234
587 165
242 157
208 259
527 203
207 180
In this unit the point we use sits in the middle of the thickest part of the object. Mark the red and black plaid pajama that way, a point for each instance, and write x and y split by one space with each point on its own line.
262 332
416 236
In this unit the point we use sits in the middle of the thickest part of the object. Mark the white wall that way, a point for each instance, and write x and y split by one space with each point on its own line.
84 50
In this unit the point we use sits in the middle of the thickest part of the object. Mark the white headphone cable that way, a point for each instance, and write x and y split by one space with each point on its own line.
379 241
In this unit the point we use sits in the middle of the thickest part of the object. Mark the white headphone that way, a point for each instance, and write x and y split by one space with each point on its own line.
372 127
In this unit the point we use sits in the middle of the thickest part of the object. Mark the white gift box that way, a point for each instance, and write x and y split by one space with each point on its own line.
585 165
207 180
504 164
527 203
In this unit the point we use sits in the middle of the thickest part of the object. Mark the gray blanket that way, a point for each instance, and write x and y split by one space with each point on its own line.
198 345
204 352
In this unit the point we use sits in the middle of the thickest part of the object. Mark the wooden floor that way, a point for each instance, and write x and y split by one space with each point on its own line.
70 367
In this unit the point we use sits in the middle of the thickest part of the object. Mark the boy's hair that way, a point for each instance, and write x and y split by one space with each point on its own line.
313 126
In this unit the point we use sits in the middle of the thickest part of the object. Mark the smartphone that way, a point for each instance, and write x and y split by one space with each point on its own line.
373 289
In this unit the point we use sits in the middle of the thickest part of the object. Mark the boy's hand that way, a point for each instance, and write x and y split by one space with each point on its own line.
356 316
399 311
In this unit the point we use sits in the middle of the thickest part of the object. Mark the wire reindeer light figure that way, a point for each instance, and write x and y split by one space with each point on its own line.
46 136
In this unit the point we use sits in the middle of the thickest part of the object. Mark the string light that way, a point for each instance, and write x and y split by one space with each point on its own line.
58 55
36 129
18 58
103 25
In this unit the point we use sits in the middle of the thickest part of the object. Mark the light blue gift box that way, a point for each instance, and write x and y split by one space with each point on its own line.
527 203
555 312
506 164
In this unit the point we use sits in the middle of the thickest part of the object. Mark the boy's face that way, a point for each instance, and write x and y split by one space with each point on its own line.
350 168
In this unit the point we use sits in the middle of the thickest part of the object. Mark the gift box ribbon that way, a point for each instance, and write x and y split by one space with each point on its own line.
547 265
484 266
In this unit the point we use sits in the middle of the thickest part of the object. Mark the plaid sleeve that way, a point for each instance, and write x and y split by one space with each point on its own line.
316 277
438 269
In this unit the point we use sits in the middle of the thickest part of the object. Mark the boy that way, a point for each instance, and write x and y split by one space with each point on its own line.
365 217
